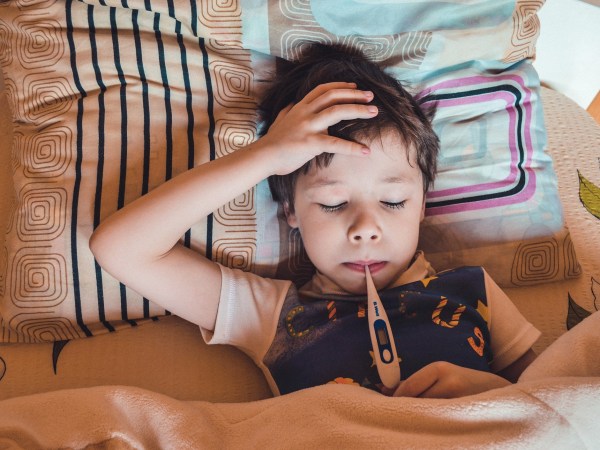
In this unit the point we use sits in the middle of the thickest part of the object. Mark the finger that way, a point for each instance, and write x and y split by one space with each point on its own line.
388 391
332 144
283 113
340 96
322 88
418 383
334 114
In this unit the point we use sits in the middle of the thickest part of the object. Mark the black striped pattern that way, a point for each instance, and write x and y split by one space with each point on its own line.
135 89
124 75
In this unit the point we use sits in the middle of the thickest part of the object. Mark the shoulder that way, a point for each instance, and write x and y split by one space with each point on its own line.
236 279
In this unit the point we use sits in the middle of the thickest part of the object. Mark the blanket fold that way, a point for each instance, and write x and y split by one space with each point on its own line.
550 413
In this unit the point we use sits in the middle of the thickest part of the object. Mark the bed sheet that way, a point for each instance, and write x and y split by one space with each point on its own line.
574 143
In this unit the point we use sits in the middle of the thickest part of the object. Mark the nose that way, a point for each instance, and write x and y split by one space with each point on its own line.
364 229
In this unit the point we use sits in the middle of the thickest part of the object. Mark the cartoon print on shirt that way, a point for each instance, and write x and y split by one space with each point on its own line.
332 310
435 316
426 281
343 380
290 327
441 318
477 347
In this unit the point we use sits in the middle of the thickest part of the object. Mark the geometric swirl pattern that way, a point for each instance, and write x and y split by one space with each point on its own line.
232 134
43 328
536 262
526 28
233 224
51 97
3 269
39 42
42 214
413 47
239 212
297 28
238 253
41 4
39 279
219 17
11 90
47 153
234 88
5 47
379 48
572 267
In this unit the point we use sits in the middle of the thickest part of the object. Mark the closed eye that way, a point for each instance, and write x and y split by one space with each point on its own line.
395 205
332 208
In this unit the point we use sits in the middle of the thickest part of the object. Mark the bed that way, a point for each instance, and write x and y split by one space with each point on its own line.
101 100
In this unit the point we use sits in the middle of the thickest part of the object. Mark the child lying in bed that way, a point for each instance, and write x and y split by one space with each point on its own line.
350 156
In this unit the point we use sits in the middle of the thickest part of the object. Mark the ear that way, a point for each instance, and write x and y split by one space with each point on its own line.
290 216
423 209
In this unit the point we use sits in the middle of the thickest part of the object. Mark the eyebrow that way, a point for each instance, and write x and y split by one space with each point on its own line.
394 180
324 182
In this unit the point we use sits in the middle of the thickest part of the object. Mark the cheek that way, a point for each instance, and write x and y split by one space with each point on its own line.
317 236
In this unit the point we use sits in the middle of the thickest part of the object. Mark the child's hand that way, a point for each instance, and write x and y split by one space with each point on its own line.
300 131
446 380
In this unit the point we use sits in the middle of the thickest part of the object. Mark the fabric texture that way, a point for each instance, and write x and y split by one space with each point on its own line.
111 98
550 413
300 341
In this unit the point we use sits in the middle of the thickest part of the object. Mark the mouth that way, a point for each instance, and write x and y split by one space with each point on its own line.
359 266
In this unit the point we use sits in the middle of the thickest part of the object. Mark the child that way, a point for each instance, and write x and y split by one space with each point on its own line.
350 156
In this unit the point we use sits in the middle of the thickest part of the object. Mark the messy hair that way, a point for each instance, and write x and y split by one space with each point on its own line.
398 110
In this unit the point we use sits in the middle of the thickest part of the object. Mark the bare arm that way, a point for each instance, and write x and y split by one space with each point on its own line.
138 244
445 380
514 371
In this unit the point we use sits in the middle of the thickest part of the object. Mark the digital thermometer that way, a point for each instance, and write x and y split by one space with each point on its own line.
382 339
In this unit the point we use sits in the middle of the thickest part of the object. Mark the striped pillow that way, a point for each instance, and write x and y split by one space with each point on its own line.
109 103
112 98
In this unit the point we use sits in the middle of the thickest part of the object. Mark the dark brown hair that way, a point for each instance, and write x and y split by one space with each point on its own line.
398 110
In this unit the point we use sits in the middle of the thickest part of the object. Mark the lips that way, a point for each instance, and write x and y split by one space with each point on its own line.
359 266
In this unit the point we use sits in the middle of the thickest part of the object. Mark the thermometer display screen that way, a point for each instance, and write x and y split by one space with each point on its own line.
382 336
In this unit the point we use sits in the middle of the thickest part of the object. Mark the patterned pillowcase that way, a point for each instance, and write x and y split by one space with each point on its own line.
112 98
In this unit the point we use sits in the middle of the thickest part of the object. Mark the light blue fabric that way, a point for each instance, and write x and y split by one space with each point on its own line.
381 17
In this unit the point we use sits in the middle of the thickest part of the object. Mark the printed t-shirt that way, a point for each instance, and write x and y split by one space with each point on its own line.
307 338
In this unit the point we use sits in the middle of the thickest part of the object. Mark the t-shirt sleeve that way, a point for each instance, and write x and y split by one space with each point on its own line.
249 308
512 335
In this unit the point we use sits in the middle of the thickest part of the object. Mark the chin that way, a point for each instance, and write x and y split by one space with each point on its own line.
352 287
357 291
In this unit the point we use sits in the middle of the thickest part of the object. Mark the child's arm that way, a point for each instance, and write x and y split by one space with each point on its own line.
138 244
446 380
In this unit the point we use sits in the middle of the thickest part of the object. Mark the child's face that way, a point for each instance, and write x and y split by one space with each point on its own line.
360 211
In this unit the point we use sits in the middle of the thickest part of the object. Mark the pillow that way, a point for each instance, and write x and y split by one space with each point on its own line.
112 98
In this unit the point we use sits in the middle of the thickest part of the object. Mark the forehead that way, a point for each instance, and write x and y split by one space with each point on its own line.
390 161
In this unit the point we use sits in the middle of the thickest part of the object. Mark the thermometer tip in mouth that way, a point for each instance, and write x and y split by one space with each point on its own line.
371 291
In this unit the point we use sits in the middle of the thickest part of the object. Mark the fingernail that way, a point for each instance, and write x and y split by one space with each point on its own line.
366 150
372 109
368 94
